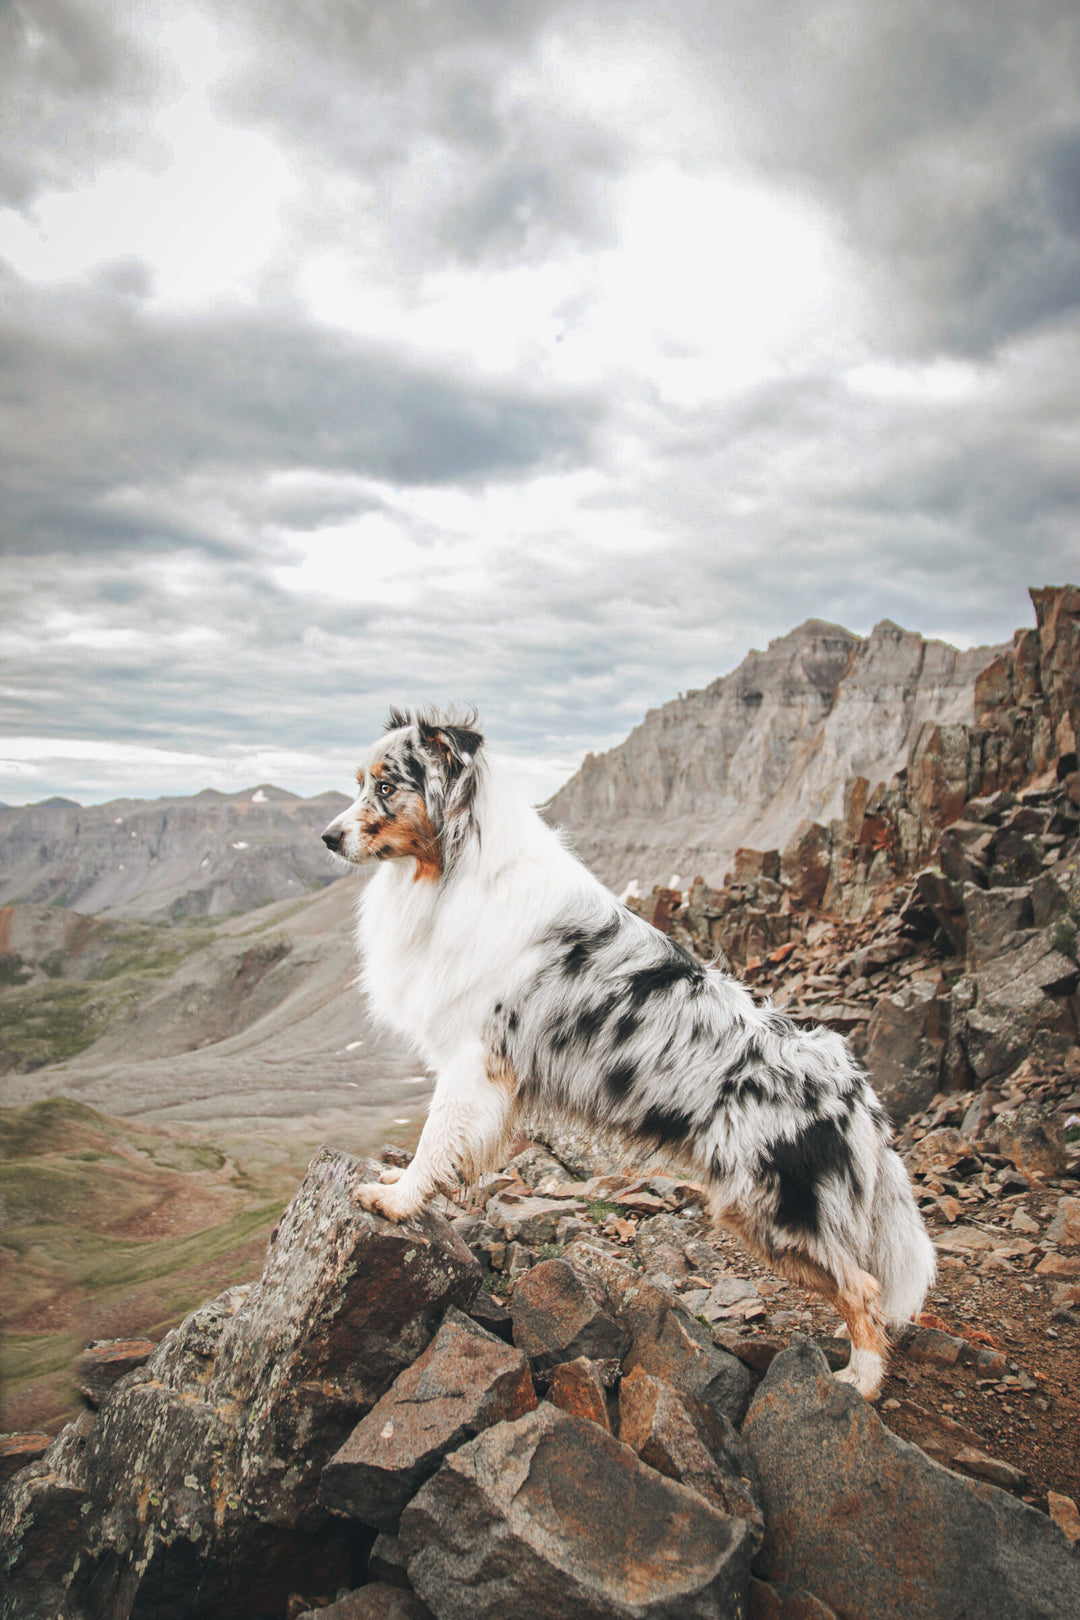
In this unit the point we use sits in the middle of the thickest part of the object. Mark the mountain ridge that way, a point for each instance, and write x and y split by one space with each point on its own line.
769 744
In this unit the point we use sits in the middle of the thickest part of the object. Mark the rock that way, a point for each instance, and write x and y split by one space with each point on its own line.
386 1561
665 1339
376 1601
228 1425
1030 1139
463 1382
751 865
684 1440
938 773
942 1151
805 863
1021 1010
944 901
347 1300
660 1243
493 1316
1059 1265
558 1317
531 1221
772 1600
728 1295
905 1043
993 916
104 1362
872 1526
974 1461
16 1450
552 1517
1064 1513
577 1388
1065 1226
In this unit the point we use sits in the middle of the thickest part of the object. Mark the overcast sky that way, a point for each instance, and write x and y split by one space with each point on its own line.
544 355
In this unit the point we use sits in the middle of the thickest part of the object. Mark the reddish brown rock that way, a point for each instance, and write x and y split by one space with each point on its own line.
577 1388
774 1601
975 1461
1031 1139
16 1450
557 1317
805 863
665 1339
530 1220
871 1526
464 1381
105 1362
942 1152
684 1440
551 1517
1065 1226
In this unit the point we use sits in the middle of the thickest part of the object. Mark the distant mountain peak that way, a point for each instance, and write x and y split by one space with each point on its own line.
745 759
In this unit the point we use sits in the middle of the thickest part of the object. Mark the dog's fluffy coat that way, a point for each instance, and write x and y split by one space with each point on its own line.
526 986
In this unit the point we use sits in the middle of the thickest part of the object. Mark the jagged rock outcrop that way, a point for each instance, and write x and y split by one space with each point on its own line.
166 859
935 921
245 1469
750 756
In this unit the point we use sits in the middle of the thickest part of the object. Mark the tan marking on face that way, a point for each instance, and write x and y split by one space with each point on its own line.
406 829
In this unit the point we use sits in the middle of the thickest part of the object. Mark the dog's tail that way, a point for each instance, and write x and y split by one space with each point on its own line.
901 1254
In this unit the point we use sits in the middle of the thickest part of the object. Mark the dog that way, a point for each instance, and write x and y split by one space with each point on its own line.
527 986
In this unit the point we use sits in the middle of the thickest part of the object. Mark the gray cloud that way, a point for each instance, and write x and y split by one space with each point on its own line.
130 400
77 81
145 517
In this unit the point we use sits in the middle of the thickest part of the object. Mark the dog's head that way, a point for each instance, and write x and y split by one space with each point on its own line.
417 794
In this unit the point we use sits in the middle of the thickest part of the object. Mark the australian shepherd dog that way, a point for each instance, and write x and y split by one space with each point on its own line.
527 987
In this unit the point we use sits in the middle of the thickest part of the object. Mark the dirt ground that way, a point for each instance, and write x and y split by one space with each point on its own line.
1029 1416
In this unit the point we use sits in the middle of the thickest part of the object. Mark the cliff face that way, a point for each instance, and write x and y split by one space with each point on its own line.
166 859
750 756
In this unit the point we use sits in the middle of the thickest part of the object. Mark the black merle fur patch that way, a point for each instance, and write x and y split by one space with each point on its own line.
582 944
619 1079
592 1020
653 981
800 1166
666 1126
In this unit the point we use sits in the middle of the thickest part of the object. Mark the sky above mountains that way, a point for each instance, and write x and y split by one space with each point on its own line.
547 357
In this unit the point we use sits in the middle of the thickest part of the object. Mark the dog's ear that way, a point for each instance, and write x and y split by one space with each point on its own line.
454 746
397 720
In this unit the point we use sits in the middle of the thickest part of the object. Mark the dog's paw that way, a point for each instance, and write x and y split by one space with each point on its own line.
394 1173
865 1372
380 1200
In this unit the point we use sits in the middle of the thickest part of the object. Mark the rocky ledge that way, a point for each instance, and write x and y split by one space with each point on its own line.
371 1432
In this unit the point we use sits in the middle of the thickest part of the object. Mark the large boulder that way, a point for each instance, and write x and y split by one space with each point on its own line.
871 1526
1022 1008
227 1427
464 1381
905 1045
551 1517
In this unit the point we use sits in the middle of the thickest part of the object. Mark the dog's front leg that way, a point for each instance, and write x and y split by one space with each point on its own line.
465 1129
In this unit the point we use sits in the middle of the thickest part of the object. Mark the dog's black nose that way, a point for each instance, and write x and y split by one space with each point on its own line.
332 840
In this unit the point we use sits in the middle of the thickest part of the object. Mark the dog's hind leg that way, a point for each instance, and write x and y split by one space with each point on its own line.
466 1127
855 1295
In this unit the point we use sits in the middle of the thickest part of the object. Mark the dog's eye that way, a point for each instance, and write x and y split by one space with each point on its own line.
384 790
